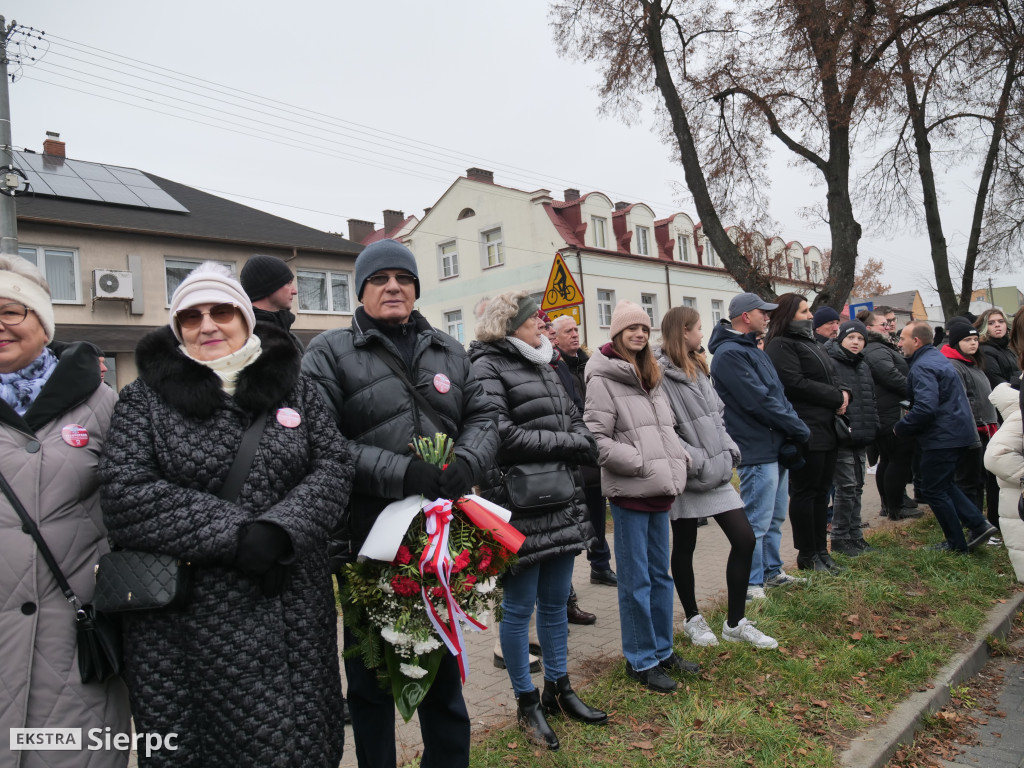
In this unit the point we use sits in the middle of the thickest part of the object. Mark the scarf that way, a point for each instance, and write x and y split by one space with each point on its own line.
801 328
229 366
21 388
541 355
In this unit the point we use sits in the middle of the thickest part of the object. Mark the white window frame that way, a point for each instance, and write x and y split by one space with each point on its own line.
717 309
489 248
454 326
605 307
643 241
328 276
684 247
194 263
447 263
38 257
600 227
816 271
710 253
690 301
798 269
649 302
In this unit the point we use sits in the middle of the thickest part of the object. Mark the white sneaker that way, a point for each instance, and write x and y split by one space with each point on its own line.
995 541
755 593
746 632
699 632
783 579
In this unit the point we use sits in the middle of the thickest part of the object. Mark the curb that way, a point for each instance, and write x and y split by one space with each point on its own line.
876 747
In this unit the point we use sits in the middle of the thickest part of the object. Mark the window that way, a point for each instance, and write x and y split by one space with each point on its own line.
643 246
816 271
60 267
605 304
690 301
494 250
798 270
716 311
323 291
709 251
453 325
449 255
176 270
683 239
599 228
649 302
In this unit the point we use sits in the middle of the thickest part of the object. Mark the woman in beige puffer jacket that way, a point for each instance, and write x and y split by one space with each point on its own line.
1004 458
643 469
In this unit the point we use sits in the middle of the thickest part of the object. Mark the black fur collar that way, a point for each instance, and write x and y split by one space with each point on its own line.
195 390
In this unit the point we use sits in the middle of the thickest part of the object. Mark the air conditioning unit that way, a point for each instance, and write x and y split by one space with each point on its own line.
112 284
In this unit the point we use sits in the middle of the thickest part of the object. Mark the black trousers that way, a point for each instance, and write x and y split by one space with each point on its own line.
895 467
808 501
599 555
444 721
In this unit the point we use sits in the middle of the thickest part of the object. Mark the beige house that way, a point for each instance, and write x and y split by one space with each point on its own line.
115 242
480 239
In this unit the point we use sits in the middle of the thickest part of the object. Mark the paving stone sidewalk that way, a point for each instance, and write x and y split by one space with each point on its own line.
488 692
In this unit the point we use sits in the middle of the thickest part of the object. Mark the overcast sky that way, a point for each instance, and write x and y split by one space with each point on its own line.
341 110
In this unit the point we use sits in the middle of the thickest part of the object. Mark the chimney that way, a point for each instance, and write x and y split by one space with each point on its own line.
392 219
53 145
571 195
359 230
479 174
620 205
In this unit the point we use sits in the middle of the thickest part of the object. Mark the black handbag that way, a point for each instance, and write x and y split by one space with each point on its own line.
842 427
536 487
99 637
129 580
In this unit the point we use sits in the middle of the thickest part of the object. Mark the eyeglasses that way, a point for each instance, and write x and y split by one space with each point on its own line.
403 278
193 318
889 322
13 314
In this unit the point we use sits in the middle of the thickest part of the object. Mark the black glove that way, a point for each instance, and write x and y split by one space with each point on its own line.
423 478
456 480
273 582
260 546
790 456
589 456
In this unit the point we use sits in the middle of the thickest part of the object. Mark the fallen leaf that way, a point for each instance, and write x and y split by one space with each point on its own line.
856 636
643 744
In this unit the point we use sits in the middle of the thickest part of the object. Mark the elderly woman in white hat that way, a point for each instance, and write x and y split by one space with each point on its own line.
54 417
246 671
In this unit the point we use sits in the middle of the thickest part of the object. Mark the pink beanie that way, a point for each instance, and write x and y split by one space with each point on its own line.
626 314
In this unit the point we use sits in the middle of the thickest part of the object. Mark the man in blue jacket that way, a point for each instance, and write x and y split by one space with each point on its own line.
763 423
940 418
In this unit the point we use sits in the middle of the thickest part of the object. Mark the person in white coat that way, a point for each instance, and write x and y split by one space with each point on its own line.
1004 457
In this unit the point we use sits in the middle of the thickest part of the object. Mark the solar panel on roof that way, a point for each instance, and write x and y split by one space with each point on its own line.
78 180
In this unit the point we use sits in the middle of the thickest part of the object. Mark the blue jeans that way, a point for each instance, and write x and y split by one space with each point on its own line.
546 586
646 591
765 494
952 508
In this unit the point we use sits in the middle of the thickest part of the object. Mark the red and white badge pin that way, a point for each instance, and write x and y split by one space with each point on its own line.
442 383
288 417
75 435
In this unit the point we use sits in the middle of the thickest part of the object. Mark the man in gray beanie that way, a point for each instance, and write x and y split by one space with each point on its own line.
386 380
270 286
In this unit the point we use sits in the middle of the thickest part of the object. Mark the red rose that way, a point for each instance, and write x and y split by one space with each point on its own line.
428 567
404 586
403 556
437 592
461 561
485 557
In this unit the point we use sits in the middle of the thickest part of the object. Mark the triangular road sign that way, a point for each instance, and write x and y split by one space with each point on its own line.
561 289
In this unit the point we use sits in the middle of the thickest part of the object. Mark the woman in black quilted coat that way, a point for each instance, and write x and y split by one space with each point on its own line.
537 422
245 673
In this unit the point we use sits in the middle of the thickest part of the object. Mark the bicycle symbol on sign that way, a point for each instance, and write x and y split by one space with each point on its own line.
560 289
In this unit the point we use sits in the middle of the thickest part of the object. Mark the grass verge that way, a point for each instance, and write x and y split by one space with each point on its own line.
851 647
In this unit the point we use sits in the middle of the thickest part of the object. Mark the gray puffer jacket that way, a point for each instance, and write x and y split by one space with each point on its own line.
373 408
640 453
243 675
536 422
57 484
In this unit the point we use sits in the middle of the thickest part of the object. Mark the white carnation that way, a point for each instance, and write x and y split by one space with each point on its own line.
426 646
412 671
395 638
486 586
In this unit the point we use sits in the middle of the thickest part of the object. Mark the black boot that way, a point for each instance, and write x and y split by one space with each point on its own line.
574 613
531 720
830 565
560 697
809 562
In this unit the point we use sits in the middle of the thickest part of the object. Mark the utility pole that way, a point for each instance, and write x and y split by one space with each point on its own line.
991 293
8 208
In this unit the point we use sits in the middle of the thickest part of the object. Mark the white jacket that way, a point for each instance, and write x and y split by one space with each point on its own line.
1004 457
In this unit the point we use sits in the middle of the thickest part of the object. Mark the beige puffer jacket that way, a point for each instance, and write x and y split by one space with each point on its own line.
1004 458
56 482
641 455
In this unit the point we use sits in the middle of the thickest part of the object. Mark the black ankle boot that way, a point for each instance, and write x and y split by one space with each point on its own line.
531 720
560 697
809 562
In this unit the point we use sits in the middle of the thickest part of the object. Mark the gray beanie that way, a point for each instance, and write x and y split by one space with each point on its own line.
384 254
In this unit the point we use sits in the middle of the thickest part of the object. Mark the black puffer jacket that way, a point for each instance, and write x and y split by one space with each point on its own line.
861 413
1000 361
889 369
373 408
283 319
807 374
241 677
536 422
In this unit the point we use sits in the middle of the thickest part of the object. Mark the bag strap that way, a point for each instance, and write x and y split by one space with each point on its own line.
396 367
243 459
32 529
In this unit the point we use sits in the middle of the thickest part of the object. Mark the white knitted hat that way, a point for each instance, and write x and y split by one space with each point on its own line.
210 283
